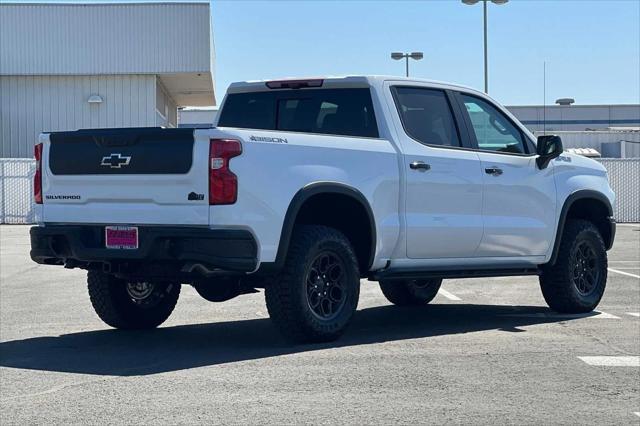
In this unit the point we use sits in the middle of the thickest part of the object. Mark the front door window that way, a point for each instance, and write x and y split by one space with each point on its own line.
494 132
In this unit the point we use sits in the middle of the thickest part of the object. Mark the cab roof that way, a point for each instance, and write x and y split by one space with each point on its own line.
334 82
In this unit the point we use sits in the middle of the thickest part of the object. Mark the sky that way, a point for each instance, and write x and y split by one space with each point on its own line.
591 47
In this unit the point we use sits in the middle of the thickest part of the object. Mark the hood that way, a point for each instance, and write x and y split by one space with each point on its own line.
578 161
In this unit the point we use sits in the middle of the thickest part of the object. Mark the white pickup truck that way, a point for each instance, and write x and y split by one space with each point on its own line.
306 186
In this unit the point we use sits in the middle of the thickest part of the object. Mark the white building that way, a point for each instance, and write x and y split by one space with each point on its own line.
576 117
71 66
612 119
617 134
612 130
197 118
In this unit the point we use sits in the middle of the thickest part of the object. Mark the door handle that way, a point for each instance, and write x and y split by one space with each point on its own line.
419 165
494 171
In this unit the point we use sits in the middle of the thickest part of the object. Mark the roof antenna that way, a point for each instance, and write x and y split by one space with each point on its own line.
544 98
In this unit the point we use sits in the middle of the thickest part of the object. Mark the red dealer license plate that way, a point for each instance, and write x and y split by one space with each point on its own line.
121 237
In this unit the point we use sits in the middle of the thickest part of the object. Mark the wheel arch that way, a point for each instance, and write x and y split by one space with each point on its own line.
596 204
307 194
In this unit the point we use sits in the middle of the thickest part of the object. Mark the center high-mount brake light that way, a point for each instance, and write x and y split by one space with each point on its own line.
223 183
294 84
37 176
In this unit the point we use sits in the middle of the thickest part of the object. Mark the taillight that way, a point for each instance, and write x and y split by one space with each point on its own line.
223 184
37 177
294 84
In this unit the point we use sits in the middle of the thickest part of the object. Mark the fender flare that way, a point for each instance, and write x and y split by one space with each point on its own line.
568 202
296 204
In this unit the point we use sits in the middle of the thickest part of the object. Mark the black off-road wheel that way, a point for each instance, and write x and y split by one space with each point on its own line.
577 280
410 292
131 305
315 296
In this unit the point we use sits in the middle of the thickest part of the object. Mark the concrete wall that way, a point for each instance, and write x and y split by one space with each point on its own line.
30 105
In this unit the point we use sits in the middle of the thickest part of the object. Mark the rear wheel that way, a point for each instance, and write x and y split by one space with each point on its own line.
315 296
131 305
576 282
410 292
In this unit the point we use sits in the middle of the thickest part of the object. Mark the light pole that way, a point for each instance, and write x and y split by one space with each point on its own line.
413 55
484 7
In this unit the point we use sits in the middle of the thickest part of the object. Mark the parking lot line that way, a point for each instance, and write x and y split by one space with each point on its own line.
554 315
634 314
637 413
623 273
612 361
448 295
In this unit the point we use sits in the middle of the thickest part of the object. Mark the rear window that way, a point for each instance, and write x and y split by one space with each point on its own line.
347 112
426 116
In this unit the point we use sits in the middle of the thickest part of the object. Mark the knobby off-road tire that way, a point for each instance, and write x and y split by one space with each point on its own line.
315 296
131 305
576 282
410 292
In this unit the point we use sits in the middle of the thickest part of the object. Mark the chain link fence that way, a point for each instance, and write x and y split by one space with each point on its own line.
16 182
16 190
624 178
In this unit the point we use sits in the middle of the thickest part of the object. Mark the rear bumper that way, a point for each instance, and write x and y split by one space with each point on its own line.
84 245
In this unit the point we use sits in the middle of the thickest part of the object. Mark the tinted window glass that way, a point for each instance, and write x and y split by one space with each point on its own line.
426 116
346 112
493 130
249 110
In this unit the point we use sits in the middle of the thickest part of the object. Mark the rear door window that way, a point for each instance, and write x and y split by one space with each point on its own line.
347 112
426 116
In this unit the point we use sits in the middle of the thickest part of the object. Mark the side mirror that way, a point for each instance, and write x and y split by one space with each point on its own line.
548 148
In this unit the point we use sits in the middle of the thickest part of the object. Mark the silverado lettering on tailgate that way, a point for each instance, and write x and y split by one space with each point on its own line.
62 197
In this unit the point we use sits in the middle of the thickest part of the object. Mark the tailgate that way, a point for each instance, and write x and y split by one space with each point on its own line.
126 176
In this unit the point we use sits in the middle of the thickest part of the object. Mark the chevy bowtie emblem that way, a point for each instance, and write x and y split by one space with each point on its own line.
115 161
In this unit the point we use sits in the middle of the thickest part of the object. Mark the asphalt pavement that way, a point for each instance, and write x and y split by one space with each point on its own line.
486 351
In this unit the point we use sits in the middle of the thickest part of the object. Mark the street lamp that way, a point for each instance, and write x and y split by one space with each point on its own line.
484 6
413 55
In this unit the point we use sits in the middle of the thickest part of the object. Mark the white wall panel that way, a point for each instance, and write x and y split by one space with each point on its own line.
93 39
166 108
30 105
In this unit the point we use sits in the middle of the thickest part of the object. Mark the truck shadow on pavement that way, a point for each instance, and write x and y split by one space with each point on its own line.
133 353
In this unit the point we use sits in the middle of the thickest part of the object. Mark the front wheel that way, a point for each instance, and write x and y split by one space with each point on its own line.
315 296
131 305
576 282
